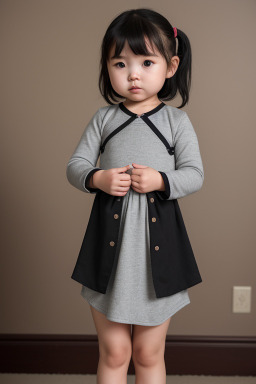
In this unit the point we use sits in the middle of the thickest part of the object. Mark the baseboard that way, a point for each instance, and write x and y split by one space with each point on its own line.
78 354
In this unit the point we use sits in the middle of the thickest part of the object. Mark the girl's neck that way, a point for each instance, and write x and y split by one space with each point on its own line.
140 107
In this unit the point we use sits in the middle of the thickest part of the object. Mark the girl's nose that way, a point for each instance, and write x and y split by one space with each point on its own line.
133 76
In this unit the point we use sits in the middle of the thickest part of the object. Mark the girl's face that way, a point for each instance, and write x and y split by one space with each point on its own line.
147 73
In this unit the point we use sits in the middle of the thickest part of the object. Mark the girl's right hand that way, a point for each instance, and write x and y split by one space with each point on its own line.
113 181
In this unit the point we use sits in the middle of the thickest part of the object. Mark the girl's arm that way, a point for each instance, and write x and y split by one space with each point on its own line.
93 181
82 164
188 176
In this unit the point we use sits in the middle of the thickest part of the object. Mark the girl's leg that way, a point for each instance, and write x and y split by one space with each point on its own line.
148 347
115 349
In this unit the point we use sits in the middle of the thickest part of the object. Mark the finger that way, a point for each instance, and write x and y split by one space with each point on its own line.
135 187
123 169
125 183
135 182
139 165
135 177
125 176
136 171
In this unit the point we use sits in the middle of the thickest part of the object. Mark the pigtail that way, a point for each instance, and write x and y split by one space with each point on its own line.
182 77
181 80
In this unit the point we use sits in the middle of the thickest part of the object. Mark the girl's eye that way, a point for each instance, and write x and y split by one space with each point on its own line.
120 64
148 61
117 64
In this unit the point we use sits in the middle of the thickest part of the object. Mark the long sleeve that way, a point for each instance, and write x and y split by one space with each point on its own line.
188 175
82 163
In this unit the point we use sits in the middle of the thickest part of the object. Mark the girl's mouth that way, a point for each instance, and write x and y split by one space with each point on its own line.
134 89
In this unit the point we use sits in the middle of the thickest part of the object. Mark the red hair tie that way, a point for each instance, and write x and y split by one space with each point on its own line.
175 31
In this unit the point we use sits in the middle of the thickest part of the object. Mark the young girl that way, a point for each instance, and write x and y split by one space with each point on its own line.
136 261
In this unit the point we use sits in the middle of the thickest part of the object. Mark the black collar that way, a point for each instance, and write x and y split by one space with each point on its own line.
128 112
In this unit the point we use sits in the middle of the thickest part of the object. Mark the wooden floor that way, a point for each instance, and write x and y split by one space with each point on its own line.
9 378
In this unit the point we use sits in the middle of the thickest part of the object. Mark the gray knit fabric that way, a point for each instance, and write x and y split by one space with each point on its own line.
130 296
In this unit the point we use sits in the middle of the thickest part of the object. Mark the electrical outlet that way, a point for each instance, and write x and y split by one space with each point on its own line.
242 299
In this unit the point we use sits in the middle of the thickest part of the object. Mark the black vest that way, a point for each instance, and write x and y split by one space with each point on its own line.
173 264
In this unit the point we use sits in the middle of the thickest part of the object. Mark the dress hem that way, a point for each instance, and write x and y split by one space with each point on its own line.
100 309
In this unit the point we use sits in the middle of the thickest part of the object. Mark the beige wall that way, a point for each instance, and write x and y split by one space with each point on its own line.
49 70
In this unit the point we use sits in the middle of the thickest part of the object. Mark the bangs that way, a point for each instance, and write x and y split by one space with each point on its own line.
135 31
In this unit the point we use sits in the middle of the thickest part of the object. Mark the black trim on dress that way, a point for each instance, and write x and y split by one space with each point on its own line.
145 118
128 112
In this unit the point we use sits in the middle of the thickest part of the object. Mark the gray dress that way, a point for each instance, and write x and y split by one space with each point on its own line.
130 297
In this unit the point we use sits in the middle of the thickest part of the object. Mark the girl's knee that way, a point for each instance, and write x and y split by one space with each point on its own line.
116 354
147 355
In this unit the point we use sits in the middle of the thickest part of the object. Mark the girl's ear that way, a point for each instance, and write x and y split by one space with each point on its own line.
172 67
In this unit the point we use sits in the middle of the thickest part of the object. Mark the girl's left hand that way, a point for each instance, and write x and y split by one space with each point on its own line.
145 179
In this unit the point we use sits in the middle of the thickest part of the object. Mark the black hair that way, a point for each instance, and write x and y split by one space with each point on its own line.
133 25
